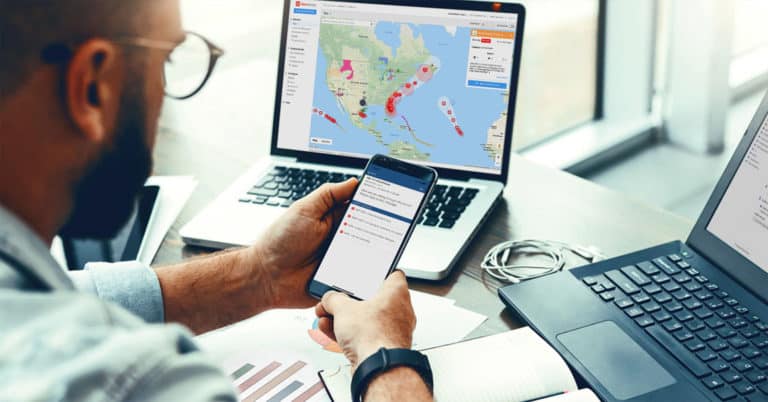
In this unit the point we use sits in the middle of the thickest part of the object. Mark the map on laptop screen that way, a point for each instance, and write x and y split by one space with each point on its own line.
394 85
429 86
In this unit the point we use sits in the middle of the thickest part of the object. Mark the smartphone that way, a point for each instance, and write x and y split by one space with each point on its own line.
372 234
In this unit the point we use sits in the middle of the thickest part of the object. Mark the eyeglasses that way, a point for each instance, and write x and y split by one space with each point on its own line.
187 68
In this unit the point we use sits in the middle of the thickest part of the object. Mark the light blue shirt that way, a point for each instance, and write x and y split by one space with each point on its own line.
104 342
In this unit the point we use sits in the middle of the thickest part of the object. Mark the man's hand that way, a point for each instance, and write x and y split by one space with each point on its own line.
227 287
289 251
361 328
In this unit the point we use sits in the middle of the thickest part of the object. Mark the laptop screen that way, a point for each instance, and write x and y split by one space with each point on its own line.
741 219
427 85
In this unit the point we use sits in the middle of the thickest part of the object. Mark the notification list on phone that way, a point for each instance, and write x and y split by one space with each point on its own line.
372 232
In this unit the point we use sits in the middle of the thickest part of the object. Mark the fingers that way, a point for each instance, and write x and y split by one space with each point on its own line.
320 311
338 213
326 197
395 281
325 325
333 302
395 287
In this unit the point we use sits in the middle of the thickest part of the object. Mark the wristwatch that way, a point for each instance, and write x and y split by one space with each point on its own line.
384 360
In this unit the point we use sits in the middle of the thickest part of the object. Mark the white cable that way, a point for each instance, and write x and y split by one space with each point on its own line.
496 261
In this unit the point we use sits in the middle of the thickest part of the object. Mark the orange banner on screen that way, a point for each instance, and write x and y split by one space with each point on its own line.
493 34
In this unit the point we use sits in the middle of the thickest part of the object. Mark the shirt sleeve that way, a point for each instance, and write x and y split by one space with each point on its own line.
132 285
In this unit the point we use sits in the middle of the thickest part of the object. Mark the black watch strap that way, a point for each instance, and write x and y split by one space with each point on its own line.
384 360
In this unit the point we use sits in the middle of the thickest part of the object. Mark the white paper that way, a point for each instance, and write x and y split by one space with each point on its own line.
57 252
512 366
173 195
440 323
275 330
582 395
421 297
295 333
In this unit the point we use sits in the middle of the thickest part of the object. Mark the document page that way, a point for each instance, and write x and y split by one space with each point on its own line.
582 395
512 366
741 219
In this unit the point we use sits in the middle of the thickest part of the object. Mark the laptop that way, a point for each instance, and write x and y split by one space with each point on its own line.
680 321
429 82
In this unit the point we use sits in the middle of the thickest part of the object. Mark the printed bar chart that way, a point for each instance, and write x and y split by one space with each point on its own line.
254 379
278 379
309 393
242 370
275 382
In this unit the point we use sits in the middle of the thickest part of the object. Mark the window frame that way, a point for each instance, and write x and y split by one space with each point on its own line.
626 113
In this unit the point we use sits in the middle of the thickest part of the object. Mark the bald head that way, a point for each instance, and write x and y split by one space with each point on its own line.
28 26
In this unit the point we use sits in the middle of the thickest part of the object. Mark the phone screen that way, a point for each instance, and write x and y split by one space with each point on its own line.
373 231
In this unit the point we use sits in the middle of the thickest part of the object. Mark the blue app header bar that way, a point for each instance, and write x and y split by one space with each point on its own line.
402 179
381 211
310 11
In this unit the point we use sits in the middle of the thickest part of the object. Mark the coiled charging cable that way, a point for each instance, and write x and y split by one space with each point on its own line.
496 262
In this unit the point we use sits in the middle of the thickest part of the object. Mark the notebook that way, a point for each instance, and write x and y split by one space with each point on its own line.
512 366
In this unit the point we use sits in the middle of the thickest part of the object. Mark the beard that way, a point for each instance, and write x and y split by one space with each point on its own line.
106 197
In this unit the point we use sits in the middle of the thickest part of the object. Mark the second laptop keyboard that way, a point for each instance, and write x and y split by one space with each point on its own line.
282 186
720 341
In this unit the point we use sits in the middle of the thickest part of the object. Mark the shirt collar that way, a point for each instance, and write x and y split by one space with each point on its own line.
32 257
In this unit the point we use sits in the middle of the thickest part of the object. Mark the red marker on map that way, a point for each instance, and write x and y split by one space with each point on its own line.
424 73
445 106
408 89
390 107
327 117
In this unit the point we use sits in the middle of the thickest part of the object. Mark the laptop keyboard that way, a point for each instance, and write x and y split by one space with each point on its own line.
446 205
283 186
720 341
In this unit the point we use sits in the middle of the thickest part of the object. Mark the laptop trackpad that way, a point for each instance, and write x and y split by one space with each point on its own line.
616 361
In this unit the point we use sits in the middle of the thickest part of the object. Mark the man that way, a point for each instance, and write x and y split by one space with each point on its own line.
81 87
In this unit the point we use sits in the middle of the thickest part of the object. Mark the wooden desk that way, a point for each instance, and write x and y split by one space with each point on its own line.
218 134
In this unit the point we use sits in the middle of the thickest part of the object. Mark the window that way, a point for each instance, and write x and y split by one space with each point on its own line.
557 89
246 29
750 43
558 75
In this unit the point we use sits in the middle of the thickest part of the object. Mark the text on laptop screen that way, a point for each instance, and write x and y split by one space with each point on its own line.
741 219
425 85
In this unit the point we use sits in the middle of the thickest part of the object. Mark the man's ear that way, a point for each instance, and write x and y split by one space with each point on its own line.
92 88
